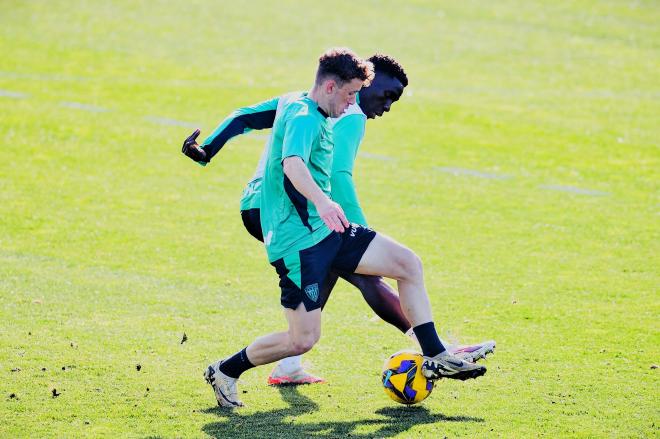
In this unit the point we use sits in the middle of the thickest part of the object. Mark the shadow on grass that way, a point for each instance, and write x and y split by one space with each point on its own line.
280 423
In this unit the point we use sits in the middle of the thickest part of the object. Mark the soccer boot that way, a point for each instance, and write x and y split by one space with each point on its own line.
445 365
472 352
224 387
278 377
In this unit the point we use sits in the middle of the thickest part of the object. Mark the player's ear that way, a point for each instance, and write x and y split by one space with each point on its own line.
330 86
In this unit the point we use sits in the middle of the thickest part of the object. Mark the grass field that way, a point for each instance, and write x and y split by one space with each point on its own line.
522 165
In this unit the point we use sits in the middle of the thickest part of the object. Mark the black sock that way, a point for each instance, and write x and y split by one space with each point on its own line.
237 364
428 339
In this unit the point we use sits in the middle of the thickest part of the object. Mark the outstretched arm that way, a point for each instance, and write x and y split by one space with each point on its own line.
241 121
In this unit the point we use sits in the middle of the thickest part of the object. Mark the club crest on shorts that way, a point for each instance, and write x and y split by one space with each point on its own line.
312 291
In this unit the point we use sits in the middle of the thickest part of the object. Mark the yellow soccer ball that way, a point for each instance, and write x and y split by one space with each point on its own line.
403 380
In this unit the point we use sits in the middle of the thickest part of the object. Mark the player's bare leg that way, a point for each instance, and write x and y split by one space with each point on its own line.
384 301
304 331
290 370
385 257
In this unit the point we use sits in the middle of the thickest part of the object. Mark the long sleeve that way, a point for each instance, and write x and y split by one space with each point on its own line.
343 192
348 133
241 121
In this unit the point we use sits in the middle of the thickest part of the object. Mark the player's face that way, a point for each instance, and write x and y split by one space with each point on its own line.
379 97
344 96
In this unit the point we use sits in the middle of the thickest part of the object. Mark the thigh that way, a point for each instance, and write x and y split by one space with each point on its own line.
360 281
384 257
303 323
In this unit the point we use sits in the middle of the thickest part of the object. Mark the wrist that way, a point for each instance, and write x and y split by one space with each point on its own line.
320 199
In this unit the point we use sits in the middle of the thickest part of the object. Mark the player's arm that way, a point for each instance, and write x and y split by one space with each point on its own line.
344 193
299 136
348 133
241 121
329 211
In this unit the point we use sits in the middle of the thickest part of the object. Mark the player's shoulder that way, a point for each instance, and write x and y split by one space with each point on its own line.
289 98
302 107
353 114
352 117
353 110
303 110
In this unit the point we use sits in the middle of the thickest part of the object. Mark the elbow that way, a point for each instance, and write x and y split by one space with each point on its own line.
289 164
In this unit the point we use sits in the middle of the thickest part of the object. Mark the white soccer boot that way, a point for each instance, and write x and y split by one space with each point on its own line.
224 387
472 352
445 365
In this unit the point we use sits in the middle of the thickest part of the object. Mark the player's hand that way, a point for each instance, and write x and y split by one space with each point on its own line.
192 149
332 215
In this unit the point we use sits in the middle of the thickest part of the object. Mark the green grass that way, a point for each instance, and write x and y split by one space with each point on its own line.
112 244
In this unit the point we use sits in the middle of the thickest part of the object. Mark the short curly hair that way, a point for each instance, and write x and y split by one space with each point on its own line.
390 66
344 65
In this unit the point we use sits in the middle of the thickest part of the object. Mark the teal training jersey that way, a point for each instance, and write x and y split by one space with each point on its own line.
348 132
251 198
290 222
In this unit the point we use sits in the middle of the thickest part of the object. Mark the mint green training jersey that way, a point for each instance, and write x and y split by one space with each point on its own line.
348 132
251 198
290 222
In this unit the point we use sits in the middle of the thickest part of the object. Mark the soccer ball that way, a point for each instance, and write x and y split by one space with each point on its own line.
403 380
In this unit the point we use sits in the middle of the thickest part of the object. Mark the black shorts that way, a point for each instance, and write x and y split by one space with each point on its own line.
303 274
252 222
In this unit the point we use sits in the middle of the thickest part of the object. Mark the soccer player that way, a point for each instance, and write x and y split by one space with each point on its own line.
348 130
307 234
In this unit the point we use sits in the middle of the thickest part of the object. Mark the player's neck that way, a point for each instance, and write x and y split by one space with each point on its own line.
316 96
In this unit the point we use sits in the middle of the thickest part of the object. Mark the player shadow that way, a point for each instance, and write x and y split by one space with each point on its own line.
280 423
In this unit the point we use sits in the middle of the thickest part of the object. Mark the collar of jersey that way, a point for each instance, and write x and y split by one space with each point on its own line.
311 102
323 113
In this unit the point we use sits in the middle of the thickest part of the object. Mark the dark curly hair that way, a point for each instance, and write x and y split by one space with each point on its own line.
344 65
390 66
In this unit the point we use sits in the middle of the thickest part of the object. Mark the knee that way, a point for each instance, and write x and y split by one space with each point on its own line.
408 264
303 343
